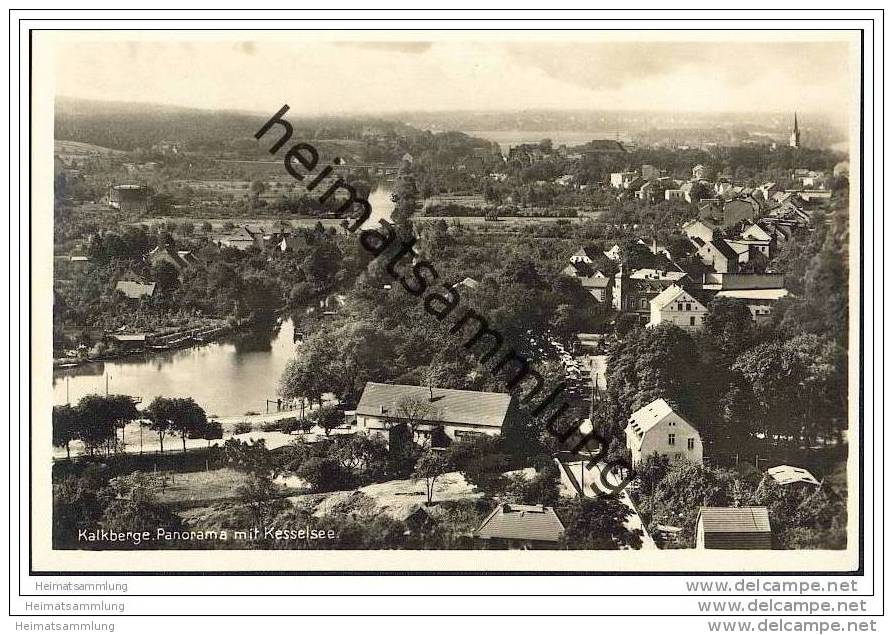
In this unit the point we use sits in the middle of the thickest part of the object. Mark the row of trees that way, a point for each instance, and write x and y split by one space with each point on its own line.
96 420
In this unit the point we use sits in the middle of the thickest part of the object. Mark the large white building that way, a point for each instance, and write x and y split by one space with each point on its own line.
658 429
457 413
675 305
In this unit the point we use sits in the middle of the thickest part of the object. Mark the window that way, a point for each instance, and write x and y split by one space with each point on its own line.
688 306
691 444
671 439
691 321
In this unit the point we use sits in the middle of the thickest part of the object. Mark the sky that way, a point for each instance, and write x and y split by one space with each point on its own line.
472 73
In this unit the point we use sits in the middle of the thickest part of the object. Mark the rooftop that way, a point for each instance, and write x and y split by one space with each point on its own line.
469 407
522 522
787 474
646 417
735 520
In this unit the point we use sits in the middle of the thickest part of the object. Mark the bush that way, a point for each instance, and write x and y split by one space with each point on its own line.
242 427
271 426
290 424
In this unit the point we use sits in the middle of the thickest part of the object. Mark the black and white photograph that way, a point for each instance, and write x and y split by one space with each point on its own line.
549 301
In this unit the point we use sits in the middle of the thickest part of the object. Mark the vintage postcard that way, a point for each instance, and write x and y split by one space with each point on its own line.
477 301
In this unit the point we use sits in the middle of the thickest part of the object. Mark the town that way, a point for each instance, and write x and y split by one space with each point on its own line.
229 357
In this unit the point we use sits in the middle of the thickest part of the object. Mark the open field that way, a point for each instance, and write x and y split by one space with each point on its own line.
63 148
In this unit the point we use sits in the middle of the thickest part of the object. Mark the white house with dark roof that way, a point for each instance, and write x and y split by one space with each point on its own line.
521 526
698 232
459 413
678 306
135 290
733 528
585 255
718 255
658 429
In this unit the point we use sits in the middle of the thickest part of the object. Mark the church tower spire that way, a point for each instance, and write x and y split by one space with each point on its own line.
795 134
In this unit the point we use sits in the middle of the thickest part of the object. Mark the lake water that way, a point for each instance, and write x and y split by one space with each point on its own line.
229 377
382 206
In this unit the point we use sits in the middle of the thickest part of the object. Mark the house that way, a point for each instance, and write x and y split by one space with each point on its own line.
678 306
594 281
646 192
178 259
621 180
457 413
129 198
135 290
739 209
633 293
421 518
521 526
768 189
587 255
759 301
471 283
719 255
243 238
613 253
733 528
710 211
788 475
699 172
699 231
659 429
674 195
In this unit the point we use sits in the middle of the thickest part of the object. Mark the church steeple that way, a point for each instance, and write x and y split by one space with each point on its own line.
795 134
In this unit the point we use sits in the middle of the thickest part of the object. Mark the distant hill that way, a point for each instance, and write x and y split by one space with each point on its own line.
133 126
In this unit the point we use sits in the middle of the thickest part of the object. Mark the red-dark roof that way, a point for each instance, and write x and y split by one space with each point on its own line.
469 407
521 522
736 527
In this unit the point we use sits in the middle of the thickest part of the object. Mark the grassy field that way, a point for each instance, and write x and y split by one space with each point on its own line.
76 148
200 489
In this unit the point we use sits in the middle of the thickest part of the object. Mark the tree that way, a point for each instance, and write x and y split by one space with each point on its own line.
257 188
360 452
260 494
429 467
159 415
634 255
166 275
481 461
413 411
598 523
122 410
212 431
97 422
327 417
138 516
730 323
799 385
324 474
187 418
66 427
